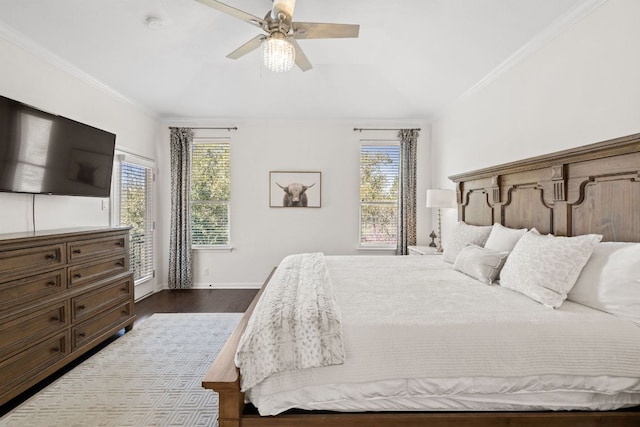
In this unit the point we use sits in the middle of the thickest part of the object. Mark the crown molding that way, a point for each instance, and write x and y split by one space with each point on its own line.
559 26
22 41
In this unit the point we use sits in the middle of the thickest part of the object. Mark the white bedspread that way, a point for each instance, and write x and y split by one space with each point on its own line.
419 336
296 323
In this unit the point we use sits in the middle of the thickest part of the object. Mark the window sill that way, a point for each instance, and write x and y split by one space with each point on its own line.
221 248
143 280
376 248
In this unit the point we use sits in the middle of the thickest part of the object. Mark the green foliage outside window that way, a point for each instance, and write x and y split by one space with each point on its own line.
210 193
134 204
379 175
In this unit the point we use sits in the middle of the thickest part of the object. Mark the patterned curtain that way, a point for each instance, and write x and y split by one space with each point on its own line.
407 190
180 271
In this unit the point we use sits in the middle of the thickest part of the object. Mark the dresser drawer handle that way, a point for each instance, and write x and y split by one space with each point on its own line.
81 307
49 256
77 251
125 312
55 319
55 350
51 283
81 334
120 263
120 243
124 289
77 276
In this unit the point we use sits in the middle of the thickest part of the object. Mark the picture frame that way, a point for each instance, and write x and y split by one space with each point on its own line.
295 189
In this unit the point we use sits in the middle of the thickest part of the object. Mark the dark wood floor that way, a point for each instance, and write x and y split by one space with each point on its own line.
195 301
166 301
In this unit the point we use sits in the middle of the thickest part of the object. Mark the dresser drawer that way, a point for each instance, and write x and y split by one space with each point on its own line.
90 249
91 303
99 325
93 271
32 288
17 262
24 366
33 325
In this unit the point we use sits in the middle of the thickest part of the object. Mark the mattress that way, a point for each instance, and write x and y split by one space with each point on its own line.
420 336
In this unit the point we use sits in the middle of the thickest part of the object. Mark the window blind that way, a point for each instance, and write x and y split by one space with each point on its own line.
210 193
379 176
136 204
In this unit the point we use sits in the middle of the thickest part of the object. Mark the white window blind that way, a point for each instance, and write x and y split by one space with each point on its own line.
210 193
136 204
379 176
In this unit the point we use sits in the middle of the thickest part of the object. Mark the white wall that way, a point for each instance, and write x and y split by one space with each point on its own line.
261 236
32 80
582 87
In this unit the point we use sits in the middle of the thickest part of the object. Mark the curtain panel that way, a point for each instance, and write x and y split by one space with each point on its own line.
180 254
407 190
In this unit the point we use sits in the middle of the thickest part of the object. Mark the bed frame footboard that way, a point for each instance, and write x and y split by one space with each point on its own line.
224 378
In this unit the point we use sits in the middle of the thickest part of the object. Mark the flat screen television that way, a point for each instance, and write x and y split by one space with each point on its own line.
42 153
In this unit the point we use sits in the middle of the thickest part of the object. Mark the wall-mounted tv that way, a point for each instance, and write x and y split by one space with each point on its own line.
42 153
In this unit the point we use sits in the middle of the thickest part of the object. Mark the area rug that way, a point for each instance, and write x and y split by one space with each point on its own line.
151 376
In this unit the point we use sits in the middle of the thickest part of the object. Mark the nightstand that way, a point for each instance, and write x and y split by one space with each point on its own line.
423 250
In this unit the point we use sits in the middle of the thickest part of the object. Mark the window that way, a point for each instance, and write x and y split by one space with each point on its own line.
379 175
210 192
136 211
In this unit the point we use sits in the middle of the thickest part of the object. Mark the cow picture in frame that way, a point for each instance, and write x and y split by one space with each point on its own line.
295 189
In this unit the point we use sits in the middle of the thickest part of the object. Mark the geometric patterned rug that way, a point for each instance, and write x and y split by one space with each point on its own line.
150 376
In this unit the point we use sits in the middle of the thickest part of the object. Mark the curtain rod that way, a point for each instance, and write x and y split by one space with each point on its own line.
361 129
228 128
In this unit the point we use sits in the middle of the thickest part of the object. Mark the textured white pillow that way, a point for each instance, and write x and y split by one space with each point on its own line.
504 238
610 281
462 235
545 268
480 263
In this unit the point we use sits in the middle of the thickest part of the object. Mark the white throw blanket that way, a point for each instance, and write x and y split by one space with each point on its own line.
295 325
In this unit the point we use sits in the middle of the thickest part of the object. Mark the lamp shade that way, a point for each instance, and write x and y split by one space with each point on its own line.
441 199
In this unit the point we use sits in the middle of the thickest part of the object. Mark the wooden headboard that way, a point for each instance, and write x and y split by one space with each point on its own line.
590 189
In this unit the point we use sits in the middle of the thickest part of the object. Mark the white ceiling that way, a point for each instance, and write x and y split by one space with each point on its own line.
412 59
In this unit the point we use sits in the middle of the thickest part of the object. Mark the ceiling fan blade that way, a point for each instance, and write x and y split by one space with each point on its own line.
301 59
284 6
252 44
315 30
224 8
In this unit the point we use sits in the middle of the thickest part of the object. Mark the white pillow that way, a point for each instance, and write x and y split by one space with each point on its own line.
545 268
610 281
480 263
463 234
504 238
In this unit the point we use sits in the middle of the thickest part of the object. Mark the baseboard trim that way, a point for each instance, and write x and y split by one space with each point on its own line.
247 285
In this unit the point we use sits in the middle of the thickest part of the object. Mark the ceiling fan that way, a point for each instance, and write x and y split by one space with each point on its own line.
280 47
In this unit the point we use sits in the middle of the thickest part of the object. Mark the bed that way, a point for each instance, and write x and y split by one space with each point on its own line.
467 336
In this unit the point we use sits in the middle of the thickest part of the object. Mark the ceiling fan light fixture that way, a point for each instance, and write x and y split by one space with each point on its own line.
278 54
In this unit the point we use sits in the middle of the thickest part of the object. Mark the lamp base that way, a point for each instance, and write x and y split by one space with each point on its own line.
440 249
433 236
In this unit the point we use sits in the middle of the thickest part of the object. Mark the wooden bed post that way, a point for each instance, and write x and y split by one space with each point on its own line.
231 405
224 378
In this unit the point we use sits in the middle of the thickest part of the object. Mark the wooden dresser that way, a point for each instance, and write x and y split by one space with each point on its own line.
62 292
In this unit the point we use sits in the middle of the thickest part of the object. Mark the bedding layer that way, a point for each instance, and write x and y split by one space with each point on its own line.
296 323
421 336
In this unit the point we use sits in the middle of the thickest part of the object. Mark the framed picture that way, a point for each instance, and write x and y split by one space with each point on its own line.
290 189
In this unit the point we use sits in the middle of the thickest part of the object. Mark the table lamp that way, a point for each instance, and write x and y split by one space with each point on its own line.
441 199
